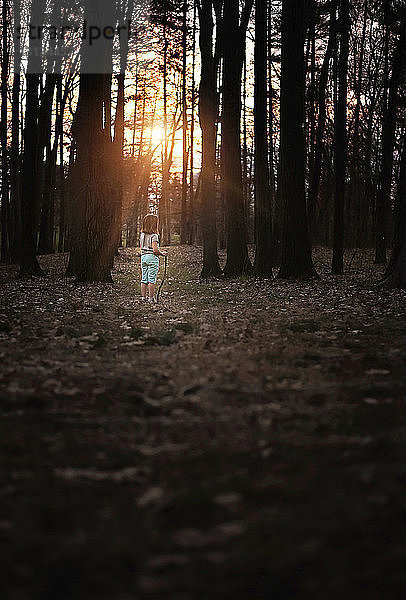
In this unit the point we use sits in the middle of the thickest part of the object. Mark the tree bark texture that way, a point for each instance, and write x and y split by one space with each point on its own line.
340 140
263 223
296 259
208 110
238 261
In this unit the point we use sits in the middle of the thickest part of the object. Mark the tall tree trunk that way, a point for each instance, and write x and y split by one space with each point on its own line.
118 157
356 197
183 216
15 196
30 184
208 109
388 140
72 218
5 248
312 85
46 232
135 114
107 125
233 54
271 145
45 243
244 142
340 140
191 212
296 251
141 141
15 179
119 129
315 173
30 177
263 222
395 275
93 242
164 208
59 128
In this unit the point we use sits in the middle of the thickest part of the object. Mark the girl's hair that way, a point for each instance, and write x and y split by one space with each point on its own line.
150 224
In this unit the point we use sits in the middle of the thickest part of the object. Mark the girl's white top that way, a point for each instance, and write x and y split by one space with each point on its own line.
146 240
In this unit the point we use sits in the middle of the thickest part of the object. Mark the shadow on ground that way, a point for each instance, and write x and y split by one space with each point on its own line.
242 439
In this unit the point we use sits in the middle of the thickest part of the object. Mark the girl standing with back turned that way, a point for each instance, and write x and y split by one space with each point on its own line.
150 253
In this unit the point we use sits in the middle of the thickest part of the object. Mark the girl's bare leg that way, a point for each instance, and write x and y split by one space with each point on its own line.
144 290
151 290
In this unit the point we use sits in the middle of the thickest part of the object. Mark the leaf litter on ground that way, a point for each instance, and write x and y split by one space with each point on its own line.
240 425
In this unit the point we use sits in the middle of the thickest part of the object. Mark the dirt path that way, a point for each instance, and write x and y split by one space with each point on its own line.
240 440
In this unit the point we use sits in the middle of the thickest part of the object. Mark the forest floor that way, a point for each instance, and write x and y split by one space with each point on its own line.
242 439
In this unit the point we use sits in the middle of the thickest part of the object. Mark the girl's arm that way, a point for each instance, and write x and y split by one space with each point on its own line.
156 250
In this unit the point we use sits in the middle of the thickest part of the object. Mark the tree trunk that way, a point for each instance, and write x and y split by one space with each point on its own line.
356 162
5 238
388 140
59 128
395 275
312 86
296 251
340 140
272 179
46 232
245 182
141 141
164 208
30 185
47 169
263 223
124 14
315 173
191 211
238 261
15 196
93 241
183 216
15 179
208 109
118 148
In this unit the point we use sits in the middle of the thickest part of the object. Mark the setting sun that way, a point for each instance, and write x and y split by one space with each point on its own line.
156 135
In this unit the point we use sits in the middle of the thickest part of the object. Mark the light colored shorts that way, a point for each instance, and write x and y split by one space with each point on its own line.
149 267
